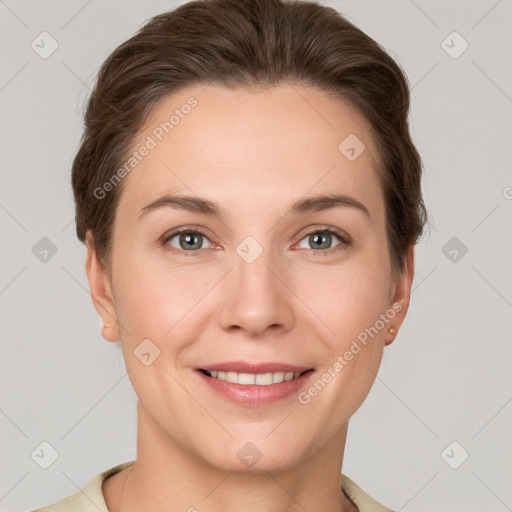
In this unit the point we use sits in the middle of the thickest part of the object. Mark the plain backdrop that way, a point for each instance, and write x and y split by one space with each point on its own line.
444 389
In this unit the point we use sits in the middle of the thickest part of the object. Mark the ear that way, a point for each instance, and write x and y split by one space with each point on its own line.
101 291
401 295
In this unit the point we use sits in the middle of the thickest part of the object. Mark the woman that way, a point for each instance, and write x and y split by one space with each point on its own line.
249 196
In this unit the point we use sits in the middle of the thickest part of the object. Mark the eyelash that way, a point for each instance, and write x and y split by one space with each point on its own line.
344 238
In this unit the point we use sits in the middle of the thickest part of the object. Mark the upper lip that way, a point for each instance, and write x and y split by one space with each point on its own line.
247 367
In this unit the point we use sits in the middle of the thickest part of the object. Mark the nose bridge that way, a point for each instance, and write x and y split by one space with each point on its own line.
255 297
253 261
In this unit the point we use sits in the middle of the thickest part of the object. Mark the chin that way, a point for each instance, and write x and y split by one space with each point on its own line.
255 457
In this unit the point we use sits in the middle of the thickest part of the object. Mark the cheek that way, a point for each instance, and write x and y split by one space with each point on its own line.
151 297
155 304
348 308
347 298
348 304
158 300
151 300
166 303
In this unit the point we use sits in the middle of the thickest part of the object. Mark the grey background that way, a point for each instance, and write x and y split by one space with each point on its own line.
446 378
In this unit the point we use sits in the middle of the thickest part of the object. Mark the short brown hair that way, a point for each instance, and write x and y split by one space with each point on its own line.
244 43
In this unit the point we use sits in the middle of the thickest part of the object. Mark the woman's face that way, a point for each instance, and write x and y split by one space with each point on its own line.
255 285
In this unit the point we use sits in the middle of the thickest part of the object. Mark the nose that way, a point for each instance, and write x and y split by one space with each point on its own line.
257 297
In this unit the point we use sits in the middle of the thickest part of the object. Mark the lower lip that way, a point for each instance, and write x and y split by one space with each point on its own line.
249 394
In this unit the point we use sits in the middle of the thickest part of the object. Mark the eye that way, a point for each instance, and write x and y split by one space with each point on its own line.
187 240
191 240
322 239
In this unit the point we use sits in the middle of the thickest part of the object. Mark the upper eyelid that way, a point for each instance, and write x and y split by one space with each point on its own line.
312 230
343 237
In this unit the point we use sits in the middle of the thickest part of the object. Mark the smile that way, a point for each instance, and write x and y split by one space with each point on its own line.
258 379
254 389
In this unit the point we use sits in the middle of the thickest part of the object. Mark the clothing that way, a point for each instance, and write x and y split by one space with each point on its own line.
90 497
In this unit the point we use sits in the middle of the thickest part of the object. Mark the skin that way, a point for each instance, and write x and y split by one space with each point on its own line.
255 152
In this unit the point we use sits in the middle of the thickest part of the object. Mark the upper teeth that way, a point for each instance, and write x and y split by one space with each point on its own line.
261 379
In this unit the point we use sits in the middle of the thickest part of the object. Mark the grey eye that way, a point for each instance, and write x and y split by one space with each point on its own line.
188 240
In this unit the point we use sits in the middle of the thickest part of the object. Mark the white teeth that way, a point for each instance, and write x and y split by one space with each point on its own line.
260 379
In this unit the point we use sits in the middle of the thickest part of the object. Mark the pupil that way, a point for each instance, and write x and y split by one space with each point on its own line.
324 238
189 240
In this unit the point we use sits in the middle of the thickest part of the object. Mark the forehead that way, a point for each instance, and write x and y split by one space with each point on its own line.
234 144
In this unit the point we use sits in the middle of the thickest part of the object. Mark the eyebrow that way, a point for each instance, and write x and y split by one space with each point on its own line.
207 207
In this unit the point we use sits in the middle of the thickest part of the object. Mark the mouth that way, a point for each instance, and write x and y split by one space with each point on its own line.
254 384
254 379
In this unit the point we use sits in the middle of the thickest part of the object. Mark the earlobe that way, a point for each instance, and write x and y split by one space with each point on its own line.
401 296
101 291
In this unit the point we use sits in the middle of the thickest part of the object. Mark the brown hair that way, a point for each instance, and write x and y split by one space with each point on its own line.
245 43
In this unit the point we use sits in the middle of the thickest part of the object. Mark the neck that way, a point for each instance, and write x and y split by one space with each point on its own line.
167 472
